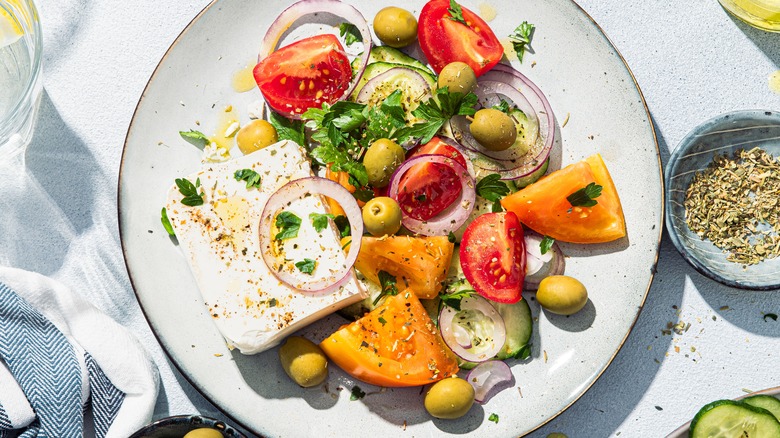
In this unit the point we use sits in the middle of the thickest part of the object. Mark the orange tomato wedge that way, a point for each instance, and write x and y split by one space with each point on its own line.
543 207
394 345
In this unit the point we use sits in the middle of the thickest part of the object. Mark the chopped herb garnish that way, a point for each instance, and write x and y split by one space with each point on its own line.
197 138
503 106
306 266
288 225
492 188
287 129
521 38
421 198
493 417
546 244
190 191
357 393
453 299
770 315
382 320
320 220
586 196
165 222
272 302
350 33
388 283
436 111
497 207
342 223
251 177
456 13
363 194
451 237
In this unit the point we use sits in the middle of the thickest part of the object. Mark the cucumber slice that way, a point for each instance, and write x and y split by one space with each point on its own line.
375 69
733 419
533 177
527 131
767 402
411 84
393 56
519 326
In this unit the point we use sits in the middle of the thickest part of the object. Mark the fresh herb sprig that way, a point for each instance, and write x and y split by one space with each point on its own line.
493 189
586 196
306 266
166 223
288 225
350 33
453 299
192 197
320 220
456 13
388 283
437 110
521 38
546 244
196 138
251 177
287 129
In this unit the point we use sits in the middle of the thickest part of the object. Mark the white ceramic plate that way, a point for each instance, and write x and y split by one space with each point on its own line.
587 83
682 431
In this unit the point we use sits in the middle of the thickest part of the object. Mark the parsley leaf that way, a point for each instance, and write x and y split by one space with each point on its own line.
453 299
436 111
320 221
382 320
586 196
197 138
350 33
251 177
503 106
287 129
492 188
497 207
546 244
521 38
306 266
288 225
166 223
451 237
456 13
342 223
388 283
356 393
340 161
190 191
493 417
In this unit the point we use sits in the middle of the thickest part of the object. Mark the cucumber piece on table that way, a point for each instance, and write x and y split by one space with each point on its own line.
767 402
733 419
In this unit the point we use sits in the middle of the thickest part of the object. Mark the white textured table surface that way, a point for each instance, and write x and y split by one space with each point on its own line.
691 60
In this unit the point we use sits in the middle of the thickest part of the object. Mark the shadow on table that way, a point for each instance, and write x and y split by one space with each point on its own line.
765 41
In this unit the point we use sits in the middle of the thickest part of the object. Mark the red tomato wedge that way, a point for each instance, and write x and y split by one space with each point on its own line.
492 256
304 74
427 189
394 345
444 40
543 206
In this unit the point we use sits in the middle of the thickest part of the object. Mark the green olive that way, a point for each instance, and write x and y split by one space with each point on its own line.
303 361
382 216
493 129
255 136
204 432
381 160
395 27
457 76
449 398
562 294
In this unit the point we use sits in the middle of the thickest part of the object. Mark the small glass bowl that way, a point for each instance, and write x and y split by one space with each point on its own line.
178 426
722 135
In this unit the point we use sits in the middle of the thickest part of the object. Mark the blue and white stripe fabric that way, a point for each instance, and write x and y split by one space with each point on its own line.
60 356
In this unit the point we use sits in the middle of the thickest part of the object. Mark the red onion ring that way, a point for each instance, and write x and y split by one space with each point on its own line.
289 16
488 378
453 216
459 147
538 265
295 190
477 352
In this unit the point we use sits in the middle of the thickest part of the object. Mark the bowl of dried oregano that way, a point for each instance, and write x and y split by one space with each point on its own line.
723 199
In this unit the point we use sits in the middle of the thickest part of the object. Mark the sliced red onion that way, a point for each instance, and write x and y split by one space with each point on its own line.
416 80
453 216
459 147
481 323
505 82
489 378
538 265
289 16
297 189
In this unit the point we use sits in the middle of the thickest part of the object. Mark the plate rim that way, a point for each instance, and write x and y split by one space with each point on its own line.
585 389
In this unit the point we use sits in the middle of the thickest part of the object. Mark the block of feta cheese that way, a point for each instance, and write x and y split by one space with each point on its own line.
253 310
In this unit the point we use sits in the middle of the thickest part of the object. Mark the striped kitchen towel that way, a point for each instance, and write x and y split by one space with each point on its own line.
59 357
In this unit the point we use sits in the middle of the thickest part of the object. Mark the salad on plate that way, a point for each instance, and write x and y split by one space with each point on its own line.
405 185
